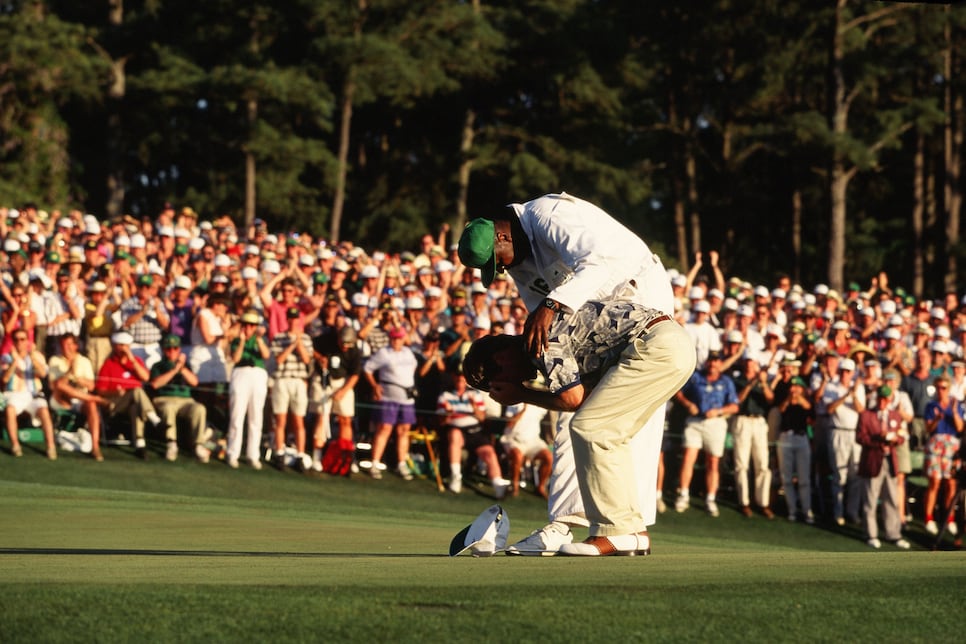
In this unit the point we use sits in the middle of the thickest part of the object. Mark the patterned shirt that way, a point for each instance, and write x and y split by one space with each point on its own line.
147 330
292 367
582 346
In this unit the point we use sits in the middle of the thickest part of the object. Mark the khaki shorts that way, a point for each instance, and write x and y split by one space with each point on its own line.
290 396
322 396
707 434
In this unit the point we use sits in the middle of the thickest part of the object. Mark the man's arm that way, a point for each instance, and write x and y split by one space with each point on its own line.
509 393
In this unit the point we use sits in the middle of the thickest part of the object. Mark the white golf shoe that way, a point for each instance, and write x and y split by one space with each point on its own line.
544 542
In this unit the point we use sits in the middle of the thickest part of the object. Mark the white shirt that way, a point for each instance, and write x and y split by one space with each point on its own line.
581 253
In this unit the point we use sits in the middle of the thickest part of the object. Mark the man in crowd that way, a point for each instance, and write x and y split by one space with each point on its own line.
878 433
710 398
172 380
121 383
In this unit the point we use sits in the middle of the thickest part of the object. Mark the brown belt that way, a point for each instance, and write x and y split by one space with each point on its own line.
655 322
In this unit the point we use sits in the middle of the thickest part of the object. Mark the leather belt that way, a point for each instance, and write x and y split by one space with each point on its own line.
655 322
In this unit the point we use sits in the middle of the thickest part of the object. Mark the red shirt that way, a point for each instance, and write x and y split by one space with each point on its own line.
114 374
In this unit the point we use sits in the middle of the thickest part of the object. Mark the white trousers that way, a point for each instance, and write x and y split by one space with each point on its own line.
247 391
750 435
564 502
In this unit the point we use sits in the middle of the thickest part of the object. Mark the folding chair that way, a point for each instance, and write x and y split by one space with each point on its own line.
421 435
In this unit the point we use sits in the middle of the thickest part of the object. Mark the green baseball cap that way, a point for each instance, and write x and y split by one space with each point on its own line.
170 341
476 248
885 391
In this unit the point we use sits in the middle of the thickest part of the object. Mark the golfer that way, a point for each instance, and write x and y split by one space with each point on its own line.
614 364
561 252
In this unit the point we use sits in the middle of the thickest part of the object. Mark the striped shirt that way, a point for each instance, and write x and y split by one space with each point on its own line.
292 366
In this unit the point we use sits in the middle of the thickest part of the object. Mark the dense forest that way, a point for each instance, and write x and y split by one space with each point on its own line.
820 139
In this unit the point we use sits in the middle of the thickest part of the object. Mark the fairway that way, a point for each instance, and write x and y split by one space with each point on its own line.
124 550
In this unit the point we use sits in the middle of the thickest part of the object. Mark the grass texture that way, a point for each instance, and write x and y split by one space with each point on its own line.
180 552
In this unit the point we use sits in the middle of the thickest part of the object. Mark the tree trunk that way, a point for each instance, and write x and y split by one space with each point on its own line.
466 167
338 201
115 126
694 218
838 176
918 208
250 195
952 157
797 235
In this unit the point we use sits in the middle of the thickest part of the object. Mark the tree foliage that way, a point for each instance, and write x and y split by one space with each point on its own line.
711 125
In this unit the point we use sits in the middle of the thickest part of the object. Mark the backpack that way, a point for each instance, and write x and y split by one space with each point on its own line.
338 457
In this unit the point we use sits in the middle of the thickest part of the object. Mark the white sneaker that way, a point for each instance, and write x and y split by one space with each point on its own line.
902 544
874 543
544 542
712 507
682 503
810 517
202 453
233 463
500 488
171 453
455 484
952 528
403 470
661 506
931 527
255 463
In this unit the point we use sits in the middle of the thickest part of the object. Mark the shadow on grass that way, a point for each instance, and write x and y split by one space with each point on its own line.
204 553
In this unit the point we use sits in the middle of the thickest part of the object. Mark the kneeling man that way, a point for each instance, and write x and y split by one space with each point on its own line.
613 363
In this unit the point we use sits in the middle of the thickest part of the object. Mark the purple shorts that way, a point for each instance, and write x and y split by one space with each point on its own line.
395 413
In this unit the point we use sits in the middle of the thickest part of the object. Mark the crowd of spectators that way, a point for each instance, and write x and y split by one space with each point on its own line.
178 324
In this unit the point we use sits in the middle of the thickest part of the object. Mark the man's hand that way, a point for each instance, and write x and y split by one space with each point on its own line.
536 330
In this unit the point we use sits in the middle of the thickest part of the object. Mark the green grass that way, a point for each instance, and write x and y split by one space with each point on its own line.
124 550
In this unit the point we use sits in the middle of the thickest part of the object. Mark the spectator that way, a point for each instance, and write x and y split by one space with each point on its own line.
207 358
276 310
393 391
71 378
878 433
121 381
944 424
172 381
23 367
98 324
845 400
709 396
524 445
342 362
17 316
292 350
247 390
64 313
463 411
145 319
181 309
751 437
705 336
796 453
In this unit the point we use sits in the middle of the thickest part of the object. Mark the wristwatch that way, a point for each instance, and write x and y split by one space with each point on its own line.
552 305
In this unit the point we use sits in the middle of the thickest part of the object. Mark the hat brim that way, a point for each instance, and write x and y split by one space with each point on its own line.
486 536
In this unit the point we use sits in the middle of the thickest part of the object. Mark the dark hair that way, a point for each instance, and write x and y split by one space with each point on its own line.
479 367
